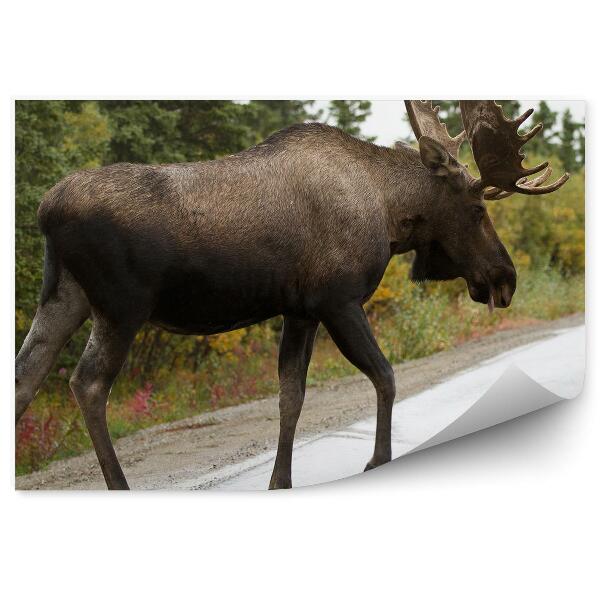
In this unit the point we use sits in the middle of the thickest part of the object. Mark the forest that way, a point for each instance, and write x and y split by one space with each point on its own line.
168 377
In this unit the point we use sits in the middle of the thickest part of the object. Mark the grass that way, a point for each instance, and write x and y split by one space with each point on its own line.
409 322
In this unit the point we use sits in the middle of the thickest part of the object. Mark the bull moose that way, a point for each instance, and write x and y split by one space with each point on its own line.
301 225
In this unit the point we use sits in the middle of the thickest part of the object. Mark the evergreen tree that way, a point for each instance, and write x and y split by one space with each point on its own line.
511 108
542 143
268 116
189 130
349 114
52 138
142 131
544 114
208 129
39 132
581 145
566 149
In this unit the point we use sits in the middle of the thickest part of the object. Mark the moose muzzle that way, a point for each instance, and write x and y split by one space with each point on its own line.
494 288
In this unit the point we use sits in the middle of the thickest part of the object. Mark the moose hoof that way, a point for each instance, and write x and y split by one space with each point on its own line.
280 484
374 462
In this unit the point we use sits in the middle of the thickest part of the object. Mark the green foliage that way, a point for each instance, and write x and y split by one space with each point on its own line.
188 130
545 231
52 138
142 131
570 133
419 324
269 116
581 146
567 143
544 294
210 128
511 108
349 114
542 143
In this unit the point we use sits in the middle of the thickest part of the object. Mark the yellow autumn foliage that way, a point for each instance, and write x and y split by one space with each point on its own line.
226 342
394 283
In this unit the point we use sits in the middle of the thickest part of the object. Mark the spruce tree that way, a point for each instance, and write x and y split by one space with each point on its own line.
349 114
566 150
542 143
581 145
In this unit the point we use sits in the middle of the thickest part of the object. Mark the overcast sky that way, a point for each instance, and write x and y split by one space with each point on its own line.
387 116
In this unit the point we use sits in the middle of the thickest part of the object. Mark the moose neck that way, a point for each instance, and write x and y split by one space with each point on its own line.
409 194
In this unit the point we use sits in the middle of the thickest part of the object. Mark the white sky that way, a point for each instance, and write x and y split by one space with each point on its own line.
387 116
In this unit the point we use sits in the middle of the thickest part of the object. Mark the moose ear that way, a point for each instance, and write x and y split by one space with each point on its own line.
436 158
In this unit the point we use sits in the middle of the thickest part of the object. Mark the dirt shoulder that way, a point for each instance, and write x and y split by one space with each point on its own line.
157 457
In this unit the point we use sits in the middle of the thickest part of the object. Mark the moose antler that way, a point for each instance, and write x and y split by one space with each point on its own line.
496 146
497 194
424 120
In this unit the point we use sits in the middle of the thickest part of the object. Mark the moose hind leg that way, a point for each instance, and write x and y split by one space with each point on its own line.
352 334
53 325
91 383
294 356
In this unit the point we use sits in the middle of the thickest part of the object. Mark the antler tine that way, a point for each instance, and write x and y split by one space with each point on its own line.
534 191
520 120
424 120
534 170
500 195
531 133
540 179
496 146
492 193
497 194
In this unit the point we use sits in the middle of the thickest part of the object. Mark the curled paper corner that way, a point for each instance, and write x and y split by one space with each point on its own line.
513 395
557 372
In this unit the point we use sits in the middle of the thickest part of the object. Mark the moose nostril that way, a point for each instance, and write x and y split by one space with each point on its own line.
505 295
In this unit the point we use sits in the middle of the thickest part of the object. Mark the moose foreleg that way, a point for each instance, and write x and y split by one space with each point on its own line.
352 334
295 351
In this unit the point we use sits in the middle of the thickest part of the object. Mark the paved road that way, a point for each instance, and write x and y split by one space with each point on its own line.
511 384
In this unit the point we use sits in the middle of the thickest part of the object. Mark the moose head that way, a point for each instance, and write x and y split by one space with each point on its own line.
461 241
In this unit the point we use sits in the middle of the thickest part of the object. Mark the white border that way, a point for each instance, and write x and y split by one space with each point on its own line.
508 513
